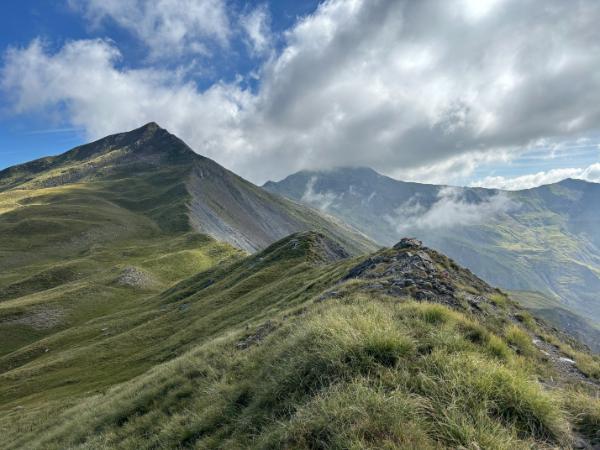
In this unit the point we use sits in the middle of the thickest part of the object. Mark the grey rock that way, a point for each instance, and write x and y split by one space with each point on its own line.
408 243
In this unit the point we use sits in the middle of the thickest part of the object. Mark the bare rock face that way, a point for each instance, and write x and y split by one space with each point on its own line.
408 243
412 270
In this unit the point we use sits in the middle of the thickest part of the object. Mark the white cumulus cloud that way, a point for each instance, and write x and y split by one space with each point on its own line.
166 27
82 79
256 26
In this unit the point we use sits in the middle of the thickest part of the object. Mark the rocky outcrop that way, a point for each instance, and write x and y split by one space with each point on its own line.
135 278
408 243
411 270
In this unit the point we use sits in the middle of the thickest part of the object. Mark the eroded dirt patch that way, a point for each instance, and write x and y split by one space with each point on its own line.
40 318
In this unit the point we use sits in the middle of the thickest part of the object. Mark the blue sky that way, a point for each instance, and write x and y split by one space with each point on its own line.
479 92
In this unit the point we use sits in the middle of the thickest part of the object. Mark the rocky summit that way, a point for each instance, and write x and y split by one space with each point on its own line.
407 273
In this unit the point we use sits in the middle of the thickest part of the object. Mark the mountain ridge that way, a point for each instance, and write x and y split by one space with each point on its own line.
218 200
372 172
136 139
104 225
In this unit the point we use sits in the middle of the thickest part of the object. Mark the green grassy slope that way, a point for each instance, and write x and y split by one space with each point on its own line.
76 256
85 237
300 347
78 246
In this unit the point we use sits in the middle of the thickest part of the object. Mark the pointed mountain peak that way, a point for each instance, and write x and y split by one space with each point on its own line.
151 126
144 133
149 144
148 131
148 139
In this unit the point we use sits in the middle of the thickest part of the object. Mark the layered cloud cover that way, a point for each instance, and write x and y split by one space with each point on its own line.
427 90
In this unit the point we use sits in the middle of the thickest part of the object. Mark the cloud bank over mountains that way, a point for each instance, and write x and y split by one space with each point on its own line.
450 209
425 90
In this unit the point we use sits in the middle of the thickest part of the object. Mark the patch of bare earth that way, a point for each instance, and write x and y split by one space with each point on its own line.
41 318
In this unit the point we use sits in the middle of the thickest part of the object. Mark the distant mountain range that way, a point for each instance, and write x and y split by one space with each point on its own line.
544 240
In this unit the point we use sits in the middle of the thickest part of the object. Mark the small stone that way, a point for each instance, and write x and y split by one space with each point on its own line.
327 295
566 360
423 295
374 286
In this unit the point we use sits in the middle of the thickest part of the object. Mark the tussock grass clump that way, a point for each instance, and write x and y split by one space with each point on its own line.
588 364
585 413
497 347
331 348
517 337
526 319
354 415
434 314
473 399
499 300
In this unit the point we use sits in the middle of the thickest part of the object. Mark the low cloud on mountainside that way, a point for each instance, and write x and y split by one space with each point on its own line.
322 200
450 209
428 90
